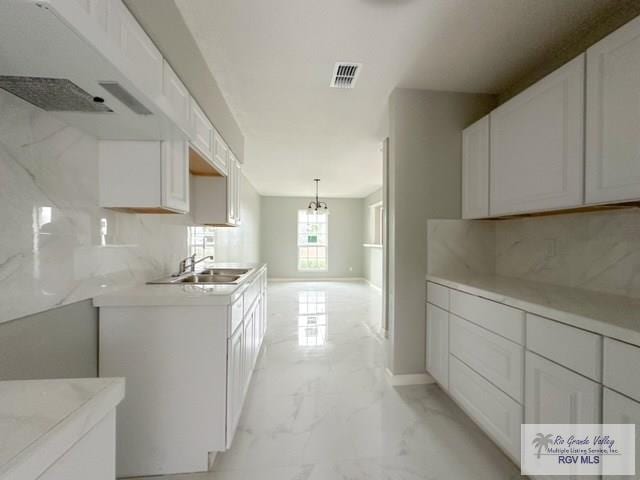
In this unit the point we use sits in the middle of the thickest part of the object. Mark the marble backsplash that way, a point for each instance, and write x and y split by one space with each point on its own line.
459 247
56 245
596 251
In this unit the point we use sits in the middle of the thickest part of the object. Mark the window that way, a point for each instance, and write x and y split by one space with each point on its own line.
313 236
376 223
201 241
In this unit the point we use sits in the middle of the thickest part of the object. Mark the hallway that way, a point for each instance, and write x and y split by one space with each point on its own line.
319 406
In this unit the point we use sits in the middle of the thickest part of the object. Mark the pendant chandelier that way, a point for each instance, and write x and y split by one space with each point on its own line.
317 205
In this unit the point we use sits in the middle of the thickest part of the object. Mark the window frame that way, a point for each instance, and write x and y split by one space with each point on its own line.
300 245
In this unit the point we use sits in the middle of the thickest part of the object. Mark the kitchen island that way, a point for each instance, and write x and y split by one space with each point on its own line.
188 352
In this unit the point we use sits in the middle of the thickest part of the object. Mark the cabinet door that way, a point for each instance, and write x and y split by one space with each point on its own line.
220 152
201 131
143 61
175 97
175 175
613 116
438 344
619 409
235 381
554 394
475 170
537 145
231 190
237 191
249 347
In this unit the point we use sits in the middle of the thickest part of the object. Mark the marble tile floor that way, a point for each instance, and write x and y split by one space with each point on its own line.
319 407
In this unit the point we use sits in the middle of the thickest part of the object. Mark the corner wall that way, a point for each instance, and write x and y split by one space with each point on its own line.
424 181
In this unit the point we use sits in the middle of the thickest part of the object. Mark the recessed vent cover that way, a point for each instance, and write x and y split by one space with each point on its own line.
345 74
52 94
118 91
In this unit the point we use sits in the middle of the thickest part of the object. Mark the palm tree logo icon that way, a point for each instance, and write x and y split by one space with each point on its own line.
542 441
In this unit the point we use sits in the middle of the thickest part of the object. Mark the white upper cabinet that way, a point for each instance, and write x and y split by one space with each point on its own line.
613 117
220 152
175 99
216 199
233 192
143 61
475 169
144 177
201 131
537 145
175 175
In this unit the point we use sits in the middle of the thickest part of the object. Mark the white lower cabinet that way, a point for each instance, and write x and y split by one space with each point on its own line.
620 409
497 414
554 394
438 344
188 368
495 358
235 381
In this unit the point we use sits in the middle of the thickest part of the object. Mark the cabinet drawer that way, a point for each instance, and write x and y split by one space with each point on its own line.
497 414
571 347
619 358
438 295
236 316
503 320
495 358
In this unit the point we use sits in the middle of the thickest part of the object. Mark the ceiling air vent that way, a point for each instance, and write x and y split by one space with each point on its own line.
345 74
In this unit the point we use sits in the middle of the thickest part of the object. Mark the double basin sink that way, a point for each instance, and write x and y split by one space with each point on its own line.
208 276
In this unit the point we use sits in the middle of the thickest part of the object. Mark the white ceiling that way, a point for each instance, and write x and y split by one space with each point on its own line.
273 61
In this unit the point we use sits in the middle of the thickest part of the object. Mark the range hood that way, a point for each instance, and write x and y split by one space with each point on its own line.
54 55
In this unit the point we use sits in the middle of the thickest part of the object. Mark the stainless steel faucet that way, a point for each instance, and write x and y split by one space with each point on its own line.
188 264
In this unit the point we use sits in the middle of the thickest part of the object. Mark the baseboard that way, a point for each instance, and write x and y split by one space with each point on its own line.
408 379
319 279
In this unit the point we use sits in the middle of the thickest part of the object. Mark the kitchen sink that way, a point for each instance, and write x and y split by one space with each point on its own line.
224 271
208 278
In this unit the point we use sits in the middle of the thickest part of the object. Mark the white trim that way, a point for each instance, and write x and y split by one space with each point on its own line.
319 279
372 245
375 287
408 379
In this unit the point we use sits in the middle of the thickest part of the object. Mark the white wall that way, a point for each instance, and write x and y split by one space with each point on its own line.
49 167
424 181
242 244
372 261
279 237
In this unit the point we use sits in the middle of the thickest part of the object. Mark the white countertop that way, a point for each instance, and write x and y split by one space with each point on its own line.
613 316
181 294
41 419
